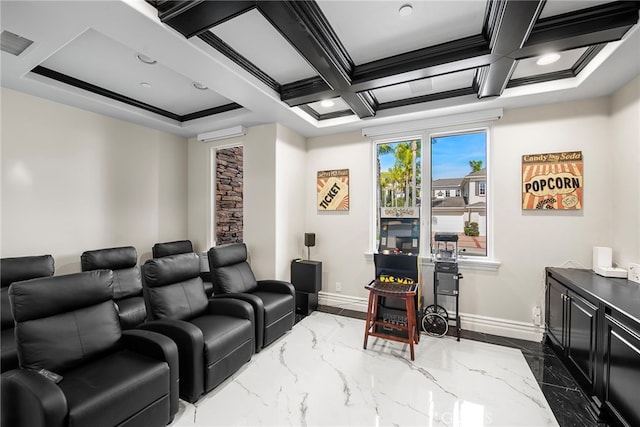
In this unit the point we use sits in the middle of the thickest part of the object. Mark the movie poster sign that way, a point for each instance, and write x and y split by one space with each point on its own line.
552 181
333 190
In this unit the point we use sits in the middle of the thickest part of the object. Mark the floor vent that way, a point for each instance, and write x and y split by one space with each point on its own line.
13 43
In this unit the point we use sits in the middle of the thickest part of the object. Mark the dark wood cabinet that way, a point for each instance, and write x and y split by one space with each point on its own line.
571 323
593 324
555 312
621 382
581 340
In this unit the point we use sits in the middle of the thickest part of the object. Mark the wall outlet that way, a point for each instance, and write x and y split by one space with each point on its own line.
634 272
338 287
537 316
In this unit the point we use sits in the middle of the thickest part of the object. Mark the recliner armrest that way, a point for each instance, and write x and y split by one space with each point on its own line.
160 347
190 342
276 286
29 399
257 312
230 306
238 308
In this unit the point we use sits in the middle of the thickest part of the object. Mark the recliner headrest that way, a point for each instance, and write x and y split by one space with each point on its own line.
229 254
110 258
171 269
47 296
160 250
25 268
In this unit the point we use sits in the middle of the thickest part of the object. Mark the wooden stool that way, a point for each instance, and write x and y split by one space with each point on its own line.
406 293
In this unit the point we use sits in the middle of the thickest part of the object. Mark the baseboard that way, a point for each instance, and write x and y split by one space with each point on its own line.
343 301
501 327
470 322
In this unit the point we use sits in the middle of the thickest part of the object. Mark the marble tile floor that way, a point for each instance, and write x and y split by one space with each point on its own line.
568 403
318 374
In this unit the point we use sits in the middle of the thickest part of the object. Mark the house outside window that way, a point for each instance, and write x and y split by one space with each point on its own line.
457 164
461 157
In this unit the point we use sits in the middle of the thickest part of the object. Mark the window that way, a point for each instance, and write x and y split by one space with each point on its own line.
482 188
457 164
398 183
461 158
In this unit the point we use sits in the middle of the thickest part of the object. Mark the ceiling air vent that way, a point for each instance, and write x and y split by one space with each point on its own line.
13 43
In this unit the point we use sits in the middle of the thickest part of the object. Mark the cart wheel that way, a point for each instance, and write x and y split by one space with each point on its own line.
435 324
437 309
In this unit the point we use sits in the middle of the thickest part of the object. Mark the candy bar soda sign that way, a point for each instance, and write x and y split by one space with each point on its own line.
552 181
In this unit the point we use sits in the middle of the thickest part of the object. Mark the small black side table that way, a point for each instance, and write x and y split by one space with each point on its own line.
306 277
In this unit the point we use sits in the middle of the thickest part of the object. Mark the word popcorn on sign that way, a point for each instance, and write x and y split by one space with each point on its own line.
552 181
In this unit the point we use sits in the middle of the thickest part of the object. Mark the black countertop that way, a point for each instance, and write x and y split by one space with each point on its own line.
622 295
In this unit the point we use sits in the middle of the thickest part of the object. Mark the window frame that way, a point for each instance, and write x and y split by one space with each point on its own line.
482 188
487 262
390 139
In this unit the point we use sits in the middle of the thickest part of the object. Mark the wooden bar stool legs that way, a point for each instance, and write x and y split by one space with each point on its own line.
413 335
372 311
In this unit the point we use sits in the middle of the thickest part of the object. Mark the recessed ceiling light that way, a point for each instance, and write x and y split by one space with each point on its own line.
547 59
199 86
145 59
405 10
327 103
145 85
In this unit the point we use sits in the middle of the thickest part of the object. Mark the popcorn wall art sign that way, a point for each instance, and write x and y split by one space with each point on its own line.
552 181
333 190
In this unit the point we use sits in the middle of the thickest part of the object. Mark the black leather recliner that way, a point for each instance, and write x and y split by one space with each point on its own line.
273 301
68 325
164 249
214 337
160 250
15 270
127 283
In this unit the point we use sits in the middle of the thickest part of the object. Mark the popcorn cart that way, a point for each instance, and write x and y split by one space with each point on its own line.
446 282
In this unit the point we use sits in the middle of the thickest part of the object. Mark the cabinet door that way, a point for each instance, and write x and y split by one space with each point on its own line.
622 372
554 319
581 335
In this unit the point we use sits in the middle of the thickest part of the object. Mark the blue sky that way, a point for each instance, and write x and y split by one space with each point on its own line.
450 155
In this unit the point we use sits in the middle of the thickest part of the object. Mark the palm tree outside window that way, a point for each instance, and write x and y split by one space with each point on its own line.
398 179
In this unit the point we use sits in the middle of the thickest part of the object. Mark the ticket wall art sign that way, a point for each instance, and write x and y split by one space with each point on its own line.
552 181
333 190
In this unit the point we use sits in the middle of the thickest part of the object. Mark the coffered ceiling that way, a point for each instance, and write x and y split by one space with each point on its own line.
318 67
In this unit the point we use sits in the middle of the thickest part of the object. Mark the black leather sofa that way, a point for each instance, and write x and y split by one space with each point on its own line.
15 270
68 325
273 301
214 337
127 282
176 247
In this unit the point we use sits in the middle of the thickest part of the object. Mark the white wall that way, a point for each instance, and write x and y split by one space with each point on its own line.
525 242
342 238
625 175
259 195
273 196
290 200
74 181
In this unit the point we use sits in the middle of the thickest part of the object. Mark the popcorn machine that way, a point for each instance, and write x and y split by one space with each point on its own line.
446 282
